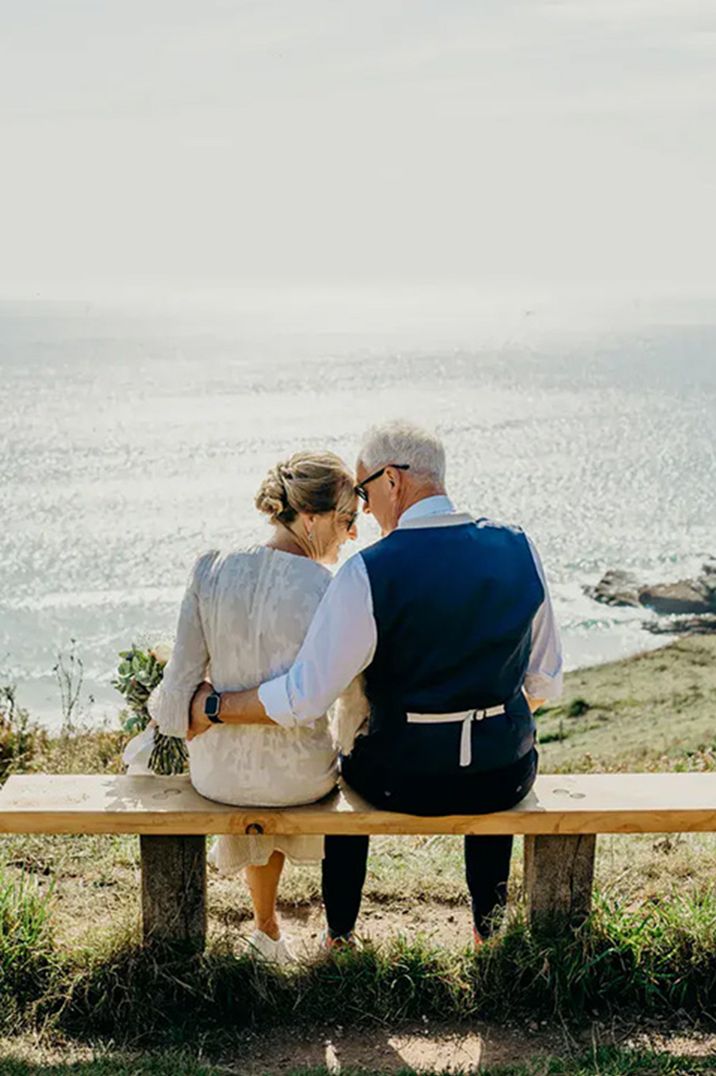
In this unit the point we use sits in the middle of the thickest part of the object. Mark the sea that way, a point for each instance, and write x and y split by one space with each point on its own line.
131 441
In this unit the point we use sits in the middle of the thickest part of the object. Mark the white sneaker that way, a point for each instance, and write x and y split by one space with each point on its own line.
273 952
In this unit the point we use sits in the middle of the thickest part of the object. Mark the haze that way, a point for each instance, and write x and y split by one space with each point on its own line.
348 144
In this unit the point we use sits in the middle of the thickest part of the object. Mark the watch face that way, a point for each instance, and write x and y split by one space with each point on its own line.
211 705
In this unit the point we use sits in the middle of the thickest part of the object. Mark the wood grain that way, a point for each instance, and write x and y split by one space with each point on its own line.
563 804
559 875
174 890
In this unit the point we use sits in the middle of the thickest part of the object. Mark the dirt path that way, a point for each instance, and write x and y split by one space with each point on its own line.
458 1049
450 927
385 1050
424 1048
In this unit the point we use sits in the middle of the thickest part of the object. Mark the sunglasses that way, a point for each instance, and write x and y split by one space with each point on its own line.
360 489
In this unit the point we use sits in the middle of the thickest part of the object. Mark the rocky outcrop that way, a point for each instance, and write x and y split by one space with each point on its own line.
615 588
685 596
692 599
683 625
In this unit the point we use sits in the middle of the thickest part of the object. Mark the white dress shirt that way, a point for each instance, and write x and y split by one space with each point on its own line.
342 639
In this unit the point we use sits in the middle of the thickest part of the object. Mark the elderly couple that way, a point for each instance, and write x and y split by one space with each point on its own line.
435 644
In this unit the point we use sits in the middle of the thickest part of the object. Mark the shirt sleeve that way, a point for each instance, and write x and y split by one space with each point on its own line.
169 702
544 671
340 644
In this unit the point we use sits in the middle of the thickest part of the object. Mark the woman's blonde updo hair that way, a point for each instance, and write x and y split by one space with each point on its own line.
311 482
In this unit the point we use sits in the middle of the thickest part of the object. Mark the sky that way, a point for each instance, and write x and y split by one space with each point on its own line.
340 144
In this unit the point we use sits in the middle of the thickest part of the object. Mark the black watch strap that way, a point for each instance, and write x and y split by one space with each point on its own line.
212 705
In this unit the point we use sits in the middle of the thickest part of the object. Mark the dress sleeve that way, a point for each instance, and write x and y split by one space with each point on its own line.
339 645
169 702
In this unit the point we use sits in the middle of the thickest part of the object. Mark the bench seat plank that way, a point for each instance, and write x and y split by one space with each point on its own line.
562 804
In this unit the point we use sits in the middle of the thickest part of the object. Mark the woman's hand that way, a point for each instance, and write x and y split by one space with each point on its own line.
198 721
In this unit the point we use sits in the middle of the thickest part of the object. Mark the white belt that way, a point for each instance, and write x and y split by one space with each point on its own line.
467 717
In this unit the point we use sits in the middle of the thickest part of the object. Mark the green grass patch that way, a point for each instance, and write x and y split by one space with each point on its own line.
657 961
606 1061
655 711
151 1064
27 953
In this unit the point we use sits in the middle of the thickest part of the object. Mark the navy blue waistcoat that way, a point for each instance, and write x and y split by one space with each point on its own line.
453 608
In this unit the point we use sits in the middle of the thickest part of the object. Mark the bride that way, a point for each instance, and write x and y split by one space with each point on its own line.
242 621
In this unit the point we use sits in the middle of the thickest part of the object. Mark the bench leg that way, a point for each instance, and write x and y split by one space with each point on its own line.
174 890
559 872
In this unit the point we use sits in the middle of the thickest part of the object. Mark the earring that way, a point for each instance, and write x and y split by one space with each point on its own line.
311 537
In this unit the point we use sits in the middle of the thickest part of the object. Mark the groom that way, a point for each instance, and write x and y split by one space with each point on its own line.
450 621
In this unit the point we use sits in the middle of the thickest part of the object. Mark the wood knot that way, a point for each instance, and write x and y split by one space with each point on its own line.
254 829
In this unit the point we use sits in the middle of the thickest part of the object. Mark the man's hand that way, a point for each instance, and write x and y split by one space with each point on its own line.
237 708
198 721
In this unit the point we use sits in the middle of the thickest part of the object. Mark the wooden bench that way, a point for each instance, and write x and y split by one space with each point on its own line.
559 819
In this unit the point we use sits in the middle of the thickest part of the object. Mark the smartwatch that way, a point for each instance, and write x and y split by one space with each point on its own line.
212 705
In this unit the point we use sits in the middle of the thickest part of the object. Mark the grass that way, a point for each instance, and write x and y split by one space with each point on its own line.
70 964
169 1064
659 963
605 1061
26 945
654 711
92 882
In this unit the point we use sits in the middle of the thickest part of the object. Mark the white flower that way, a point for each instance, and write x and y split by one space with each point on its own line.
161 653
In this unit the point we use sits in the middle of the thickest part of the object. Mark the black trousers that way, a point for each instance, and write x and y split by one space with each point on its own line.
487 858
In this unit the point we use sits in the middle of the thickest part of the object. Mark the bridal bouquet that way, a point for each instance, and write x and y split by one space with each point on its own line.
138 674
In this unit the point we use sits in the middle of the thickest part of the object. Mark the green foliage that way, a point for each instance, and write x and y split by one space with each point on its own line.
138 673
658 961
26 947
645 713
602 1061
20 738
151 1064
26 747
607 1061
550 737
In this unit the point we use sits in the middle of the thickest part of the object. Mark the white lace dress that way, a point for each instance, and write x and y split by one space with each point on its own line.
242 621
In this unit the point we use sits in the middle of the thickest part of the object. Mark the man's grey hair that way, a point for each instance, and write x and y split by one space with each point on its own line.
402 442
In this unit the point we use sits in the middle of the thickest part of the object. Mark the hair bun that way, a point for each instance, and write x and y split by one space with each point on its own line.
311 482
271 497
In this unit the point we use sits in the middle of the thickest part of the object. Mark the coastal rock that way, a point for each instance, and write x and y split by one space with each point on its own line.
615 588
707 579
686 597
683 625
